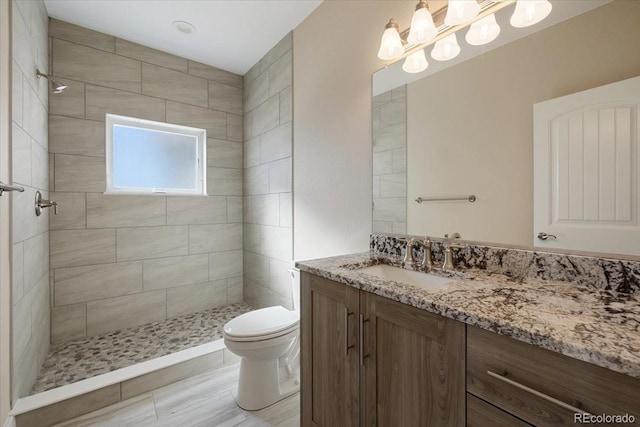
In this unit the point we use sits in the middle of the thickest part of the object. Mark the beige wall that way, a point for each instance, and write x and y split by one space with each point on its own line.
334 56
30 169
120 261
268 240
478 137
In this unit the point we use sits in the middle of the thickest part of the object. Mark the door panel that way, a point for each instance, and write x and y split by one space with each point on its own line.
586 162
330 378
414 366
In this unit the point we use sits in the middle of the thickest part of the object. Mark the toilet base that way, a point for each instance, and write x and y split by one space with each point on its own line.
260 386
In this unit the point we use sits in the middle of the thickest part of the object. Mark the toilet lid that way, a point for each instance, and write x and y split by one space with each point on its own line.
265 321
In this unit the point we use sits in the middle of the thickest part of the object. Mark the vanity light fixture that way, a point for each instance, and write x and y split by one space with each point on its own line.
416 62
479 15
422 27
461 11
391 43
530 12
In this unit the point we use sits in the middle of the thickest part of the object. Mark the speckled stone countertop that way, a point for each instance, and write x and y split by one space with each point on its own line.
597 326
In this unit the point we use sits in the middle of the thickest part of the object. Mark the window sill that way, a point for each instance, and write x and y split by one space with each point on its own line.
143 193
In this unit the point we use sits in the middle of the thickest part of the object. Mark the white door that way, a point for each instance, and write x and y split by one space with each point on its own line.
586 159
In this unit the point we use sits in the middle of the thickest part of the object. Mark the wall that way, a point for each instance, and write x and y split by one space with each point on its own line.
478 138
120 261
268 236
6 64
334 55
30 234
390 161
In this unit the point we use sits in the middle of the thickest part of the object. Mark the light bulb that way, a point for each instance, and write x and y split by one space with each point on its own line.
415 62
446 48
391 44
422 26
483 31
530 12
461 11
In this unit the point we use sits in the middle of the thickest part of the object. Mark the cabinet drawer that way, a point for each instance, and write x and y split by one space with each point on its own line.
481 414
542 387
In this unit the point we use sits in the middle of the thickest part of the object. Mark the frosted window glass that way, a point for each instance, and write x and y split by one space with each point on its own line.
144 158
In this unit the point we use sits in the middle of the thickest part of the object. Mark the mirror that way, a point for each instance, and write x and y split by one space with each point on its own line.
465 127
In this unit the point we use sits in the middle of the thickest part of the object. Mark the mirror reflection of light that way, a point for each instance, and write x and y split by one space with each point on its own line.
483 31
446 48
416 62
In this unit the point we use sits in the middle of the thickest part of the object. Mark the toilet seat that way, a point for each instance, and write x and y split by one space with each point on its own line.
262 324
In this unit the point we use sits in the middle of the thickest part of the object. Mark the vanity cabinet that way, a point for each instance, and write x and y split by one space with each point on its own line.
367 360
330 390
482 414
542 387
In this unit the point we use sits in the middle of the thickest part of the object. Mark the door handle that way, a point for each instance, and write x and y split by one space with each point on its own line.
362 356
347 313
544 236
502 376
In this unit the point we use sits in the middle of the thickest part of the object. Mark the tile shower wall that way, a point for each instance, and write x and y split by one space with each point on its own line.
120 261
30 281
268 239
390 161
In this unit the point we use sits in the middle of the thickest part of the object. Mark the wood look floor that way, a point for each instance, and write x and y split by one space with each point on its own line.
205 400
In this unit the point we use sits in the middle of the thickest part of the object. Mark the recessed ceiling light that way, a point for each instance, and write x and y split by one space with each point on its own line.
183 26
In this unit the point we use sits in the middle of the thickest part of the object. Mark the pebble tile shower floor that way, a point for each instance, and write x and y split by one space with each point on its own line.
79 359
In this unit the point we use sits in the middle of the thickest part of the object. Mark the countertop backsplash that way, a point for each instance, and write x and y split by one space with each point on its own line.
589 271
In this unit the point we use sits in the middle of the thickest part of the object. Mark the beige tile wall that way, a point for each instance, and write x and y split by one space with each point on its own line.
390 161
30 258
120 261
268 239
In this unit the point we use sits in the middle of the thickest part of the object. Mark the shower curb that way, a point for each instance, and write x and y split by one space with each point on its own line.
70 401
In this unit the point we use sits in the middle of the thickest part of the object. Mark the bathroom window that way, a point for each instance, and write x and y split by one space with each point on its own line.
146 157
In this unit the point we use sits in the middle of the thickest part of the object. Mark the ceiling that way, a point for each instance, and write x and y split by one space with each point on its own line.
230 34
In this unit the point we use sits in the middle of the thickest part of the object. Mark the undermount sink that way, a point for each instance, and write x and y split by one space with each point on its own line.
415 278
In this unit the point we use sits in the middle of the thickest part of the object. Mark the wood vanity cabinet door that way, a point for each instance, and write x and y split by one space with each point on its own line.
413 371
330 378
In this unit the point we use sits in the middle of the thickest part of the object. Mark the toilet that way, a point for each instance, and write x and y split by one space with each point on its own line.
267 342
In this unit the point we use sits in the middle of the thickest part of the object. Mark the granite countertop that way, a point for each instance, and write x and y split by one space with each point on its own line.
597 326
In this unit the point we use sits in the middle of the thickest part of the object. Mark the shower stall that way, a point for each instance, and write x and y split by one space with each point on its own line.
110 281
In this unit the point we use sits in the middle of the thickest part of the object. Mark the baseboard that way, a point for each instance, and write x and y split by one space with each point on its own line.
64 403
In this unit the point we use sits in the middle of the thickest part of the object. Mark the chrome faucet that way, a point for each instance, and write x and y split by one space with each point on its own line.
448 253
409 260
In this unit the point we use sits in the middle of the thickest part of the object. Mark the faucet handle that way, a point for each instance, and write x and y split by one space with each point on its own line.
427 259
448 238
55 207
